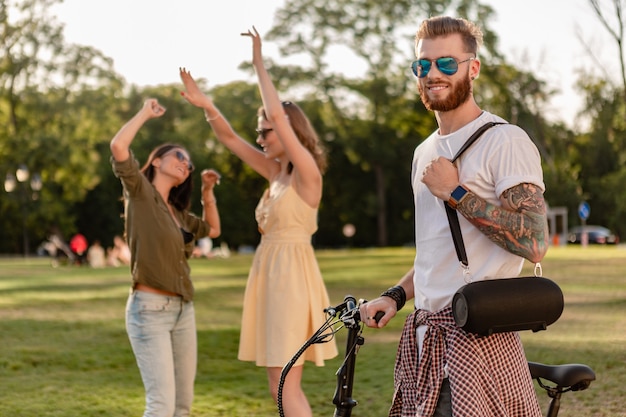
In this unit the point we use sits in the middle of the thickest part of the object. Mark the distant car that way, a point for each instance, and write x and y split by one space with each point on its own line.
595 234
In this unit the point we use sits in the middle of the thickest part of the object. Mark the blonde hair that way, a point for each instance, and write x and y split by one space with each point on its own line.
446 25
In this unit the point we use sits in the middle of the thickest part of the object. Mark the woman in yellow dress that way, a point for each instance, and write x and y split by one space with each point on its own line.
285 295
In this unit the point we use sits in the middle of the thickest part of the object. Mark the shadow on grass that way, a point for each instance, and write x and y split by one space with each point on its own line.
89 368
65 352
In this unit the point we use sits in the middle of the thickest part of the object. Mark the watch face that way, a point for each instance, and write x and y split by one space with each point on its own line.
458 193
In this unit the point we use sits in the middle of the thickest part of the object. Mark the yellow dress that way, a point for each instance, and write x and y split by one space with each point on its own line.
285 295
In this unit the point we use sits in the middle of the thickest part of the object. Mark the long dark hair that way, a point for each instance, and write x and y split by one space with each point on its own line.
180 196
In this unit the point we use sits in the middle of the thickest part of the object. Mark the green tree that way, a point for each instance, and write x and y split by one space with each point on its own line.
599 154
184 124
56 102
375 120
60 105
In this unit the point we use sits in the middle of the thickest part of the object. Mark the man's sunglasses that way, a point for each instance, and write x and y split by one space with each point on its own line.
182 158
263 132
447 65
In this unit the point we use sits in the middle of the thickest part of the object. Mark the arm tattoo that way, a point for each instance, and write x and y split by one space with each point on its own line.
519 226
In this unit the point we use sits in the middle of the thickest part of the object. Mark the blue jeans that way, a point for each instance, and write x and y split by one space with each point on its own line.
162 333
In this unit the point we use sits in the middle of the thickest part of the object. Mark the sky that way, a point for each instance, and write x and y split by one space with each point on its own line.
149 39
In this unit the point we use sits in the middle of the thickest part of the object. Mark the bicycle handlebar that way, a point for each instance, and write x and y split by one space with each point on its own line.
344 403
348 313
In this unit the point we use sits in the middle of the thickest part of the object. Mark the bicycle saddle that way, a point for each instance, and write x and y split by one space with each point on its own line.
575 376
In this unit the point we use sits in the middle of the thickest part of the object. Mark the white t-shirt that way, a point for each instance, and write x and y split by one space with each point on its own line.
504 156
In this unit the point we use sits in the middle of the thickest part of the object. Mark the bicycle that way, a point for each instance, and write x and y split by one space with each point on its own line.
567 377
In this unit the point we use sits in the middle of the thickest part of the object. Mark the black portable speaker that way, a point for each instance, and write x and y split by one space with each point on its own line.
507 305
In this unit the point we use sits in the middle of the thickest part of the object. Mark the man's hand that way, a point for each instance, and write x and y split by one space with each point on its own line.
441 177
381 304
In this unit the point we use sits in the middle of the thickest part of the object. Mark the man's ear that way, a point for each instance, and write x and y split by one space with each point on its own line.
475 69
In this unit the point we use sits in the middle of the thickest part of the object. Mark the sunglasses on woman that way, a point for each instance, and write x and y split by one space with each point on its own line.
263 132
182 158
446 65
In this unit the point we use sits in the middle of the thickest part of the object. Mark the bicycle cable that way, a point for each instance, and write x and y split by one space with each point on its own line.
324 334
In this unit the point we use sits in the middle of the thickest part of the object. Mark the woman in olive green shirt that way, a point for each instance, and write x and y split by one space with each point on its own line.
161 232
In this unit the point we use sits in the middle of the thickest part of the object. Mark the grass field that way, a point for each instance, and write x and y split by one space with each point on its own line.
65 351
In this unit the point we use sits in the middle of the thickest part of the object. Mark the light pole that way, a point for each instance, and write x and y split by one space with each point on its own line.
19 180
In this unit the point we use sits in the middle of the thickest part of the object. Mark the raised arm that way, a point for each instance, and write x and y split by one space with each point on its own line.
120 144
308 178
247 152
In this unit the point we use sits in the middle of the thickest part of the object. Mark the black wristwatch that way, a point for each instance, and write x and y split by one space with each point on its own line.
457 196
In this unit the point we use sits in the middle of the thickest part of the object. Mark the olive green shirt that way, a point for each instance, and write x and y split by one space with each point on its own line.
158 251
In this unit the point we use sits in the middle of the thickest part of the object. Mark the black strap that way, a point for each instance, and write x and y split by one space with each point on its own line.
453 217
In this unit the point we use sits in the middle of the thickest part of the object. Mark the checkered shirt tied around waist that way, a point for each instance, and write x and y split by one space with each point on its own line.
489 376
